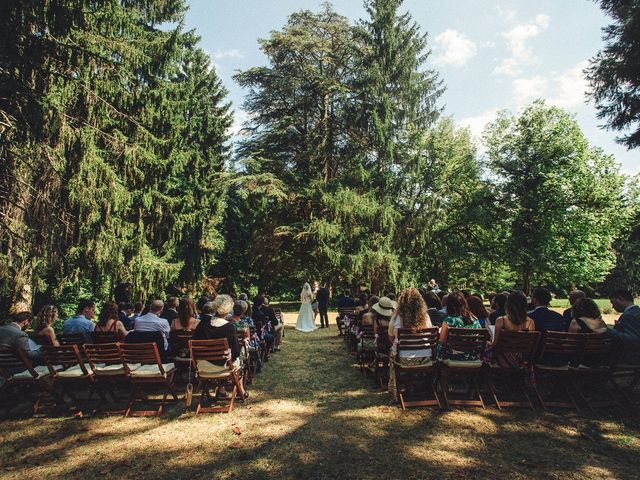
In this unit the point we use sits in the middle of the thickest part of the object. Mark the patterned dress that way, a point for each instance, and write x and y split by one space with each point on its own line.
458 322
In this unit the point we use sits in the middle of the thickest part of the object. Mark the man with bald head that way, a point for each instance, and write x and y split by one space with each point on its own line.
574 296
151 322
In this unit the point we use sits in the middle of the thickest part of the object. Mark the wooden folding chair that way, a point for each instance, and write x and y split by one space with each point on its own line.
558 353
21 376
213 369
71 339
594 372
179 345
351 329
625 377
244 356
68 370
104 337
108 370
144 368
515 350
468 342
366 348
342 313
415 362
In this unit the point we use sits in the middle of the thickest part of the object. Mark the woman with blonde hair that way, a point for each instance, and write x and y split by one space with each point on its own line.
43 324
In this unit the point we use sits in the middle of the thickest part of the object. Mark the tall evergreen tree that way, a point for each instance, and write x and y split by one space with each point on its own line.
613 74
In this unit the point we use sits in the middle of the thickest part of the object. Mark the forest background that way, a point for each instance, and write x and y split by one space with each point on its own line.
117 163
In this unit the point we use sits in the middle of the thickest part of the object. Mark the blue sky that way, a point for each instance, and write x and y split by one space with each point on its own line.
491 55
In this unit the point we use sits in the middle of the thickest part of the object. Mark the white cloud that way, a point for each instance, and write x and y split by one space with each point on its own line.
477 123
526 89
237 127
507 15
570 87
521 53
232 53
453 48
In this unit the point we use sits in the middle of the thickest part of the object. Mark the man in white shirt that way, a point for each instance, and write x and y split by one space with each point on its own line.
151 322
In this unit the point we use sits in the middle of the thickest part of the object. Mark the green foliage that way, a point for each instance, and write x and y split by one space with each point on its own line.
115 139
613 73
562 201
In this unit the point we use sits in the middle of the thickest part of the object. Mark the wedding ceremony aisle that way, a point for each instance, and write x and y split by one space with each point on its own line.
312 415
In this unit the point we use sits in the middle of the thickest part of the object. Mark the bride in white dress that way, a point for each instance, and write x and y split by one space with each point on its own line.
305 321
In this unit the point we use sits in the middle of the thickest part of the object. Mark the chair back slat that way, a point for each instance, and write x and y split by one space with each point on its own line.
104 337
107 353
598 348
366 331
417 338
65 355
179 342
14 360
210 350
465 340
523 343
71 339
567 345
144 353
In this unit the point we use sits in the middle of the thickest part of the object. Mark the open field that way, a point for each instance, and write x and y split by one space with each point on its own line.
312 415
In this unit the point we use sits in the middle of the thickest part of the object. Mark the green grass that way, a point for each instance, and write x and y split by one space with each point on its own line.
312 415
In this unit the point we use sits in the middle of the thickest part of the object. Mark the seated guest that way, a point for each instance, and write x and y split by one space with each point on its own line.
125 315
263 325
627 328
262 305
170 312
186 319
109 321
43 324
245 298
574 296
346 301
458 316
514 320
219 327
498 305
81 321
587 317
382 312
476 305
151 322
545 318
368 319
411 313
13 335
137 311
434 308
241 322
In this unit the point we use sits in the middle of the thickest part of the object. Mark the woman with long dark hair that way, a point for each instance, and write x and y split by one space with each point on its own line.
186 319
109 320
458 316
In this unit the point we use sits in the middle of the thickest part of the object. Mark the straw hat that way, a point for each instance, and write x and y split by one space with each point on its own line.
385 307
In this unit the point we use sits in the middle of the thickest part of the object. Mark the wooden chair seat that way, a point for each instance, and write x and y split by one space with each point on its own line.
153 370
415 363
207 369
145 369
465 342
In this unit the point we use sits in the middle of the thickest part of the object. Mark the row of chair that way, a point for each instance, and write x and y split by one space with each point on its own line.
101 367
556 367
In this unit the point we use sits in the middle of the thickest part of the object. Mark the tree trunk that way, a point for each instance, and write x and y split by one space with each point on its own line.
526 280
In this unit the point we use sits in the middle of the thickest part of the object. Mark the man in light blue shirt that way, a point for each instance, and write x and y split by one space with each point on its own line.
151 322
81 321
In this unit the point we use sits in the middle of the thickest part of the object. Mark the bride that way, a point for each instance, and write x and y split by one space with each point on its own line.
305 321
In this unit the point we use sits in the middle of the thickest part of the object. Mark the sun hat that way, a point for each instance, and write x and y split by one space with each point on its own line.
384 307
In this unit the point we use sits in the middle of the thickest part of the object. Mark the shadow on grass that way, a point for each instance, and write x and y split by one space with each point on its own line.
311 416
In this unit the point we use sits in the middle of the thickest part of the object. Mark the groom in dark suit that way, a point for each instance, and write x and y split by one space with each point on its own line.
322 297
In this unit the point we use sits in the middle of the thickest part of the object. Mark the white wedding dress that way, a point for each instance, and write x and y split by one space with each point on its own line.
305 321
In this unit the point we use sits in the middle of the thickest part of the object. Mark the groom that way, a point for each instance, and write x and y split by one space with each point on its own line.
322 297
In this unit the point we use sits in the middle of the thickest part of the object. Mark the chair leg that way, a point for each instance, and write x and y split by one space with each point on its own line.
132 398
475 383
492 388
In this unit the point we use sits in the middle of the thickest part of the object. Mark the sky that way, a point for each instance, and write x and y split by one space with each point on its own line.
491 54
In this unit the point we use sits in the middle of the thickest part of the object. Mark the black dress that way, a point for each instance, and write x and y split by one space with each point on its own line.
206 331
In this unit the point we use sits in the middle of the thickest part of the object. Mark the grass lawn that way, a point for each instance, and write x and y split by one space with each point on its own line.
311 415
